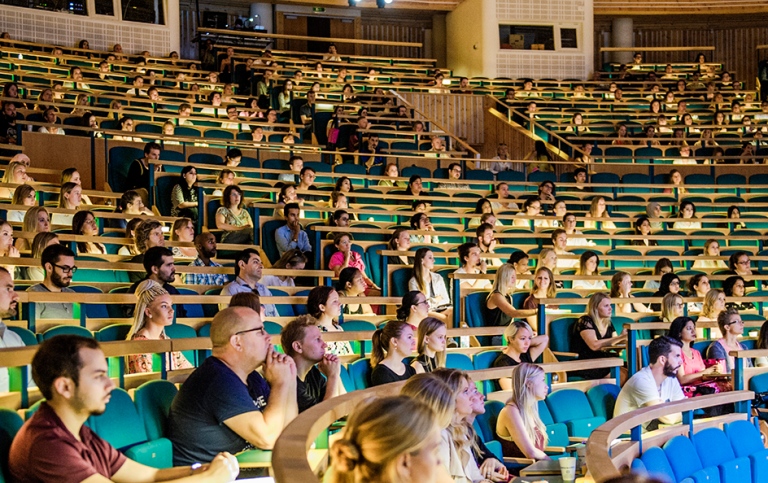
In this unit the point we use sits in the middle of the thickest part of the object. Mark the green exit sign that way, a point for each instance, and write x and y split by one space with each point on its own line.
318 9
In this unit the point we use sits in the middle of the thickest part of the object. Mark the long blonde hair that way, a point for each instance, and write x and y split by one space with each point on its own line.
434 393
500 282
592 312
709 303
30 218
8 175
462 433
427 327
523 398
146 293
668 306
377 433
552 289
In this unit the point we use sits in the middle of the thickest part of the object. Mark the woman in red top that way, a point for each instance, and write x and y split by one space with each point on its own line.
346 257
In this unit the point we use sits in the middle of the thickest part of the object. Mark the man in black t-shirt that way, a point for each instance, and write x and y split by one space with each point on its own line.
8 118
225 405
318 375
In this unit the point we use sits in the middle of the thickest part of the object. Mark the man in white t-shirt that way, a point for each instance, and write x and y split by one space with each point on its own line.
654 384
560 243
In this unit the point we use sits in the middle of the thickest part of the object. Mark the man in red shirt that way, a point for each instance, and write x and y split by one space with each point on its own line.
54 445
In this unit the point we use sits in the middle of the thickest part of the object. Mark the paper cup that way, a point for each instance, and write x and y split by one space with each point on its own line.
568 468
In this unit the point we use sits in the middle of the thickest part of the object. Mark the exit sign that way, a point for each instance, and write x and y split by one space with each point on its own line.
318 9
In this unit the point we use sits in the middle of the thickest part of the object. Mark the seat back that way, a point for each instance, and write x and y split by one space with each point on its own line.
120 424
153 402
602 398
656 463
455 360
744 437
120 159
360 373
10 424
399 281
706 439
682 457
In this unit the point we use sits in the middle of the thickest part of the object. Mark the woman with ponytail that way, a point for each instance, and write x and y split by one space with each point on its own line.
154 312
388 440
390 345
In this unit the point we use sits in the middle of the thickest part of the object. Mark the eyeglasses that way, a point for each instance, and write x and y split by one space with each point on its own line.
260 330
344 218
66 269
676 282
744 262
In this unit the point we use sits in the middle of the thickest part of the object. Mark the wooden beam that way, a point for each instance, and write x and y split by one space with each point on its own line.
306 37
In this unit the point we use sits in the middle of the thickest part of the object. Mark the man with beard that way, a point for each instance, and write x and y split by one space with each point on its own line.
55 445
8 302
656 383
158 263
58 261
205 243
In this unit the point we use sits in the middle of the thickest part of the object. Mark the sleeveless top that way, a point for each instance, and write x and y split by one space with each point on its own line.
496 317
428 363
510 449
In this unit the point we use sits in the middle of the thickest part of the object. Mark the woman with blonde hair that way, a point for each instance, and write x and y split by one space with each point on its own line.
71 175
70 197
499 310
713 306
522 347
24 195
671 307
15 173
430 343
593 332
388 440
39 243
621 286
711 249
519 426
153 312
459 437
597 210
543 288
35 221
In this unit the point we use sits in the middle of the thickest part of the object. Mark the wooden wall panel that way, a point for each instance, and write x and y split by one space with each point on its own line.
397 27
344 28
290 24
734 39
460 114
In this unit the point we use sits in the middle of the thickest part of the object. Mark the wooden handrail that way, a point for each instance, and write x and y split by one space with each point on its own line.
337 40
599 462
656 49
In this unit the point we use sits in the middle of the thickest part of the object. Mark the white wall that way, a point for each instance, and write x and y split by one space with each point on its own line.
474 48
101 32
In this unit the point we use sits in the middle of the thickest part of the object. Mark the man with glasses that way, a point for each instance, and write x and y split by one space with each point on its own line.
225 404
58 261
454 174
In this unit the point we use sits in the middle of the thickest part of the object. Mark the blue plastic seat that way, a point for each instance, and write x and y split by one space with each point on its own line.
153 402
120 159
732 469
657 465
746 441
571 406
602 398
360 373
685 462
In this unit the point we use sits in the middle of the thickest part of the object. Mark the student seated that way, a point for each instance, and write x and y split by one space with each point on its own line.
431 284
323 304
233 218
352 284
654 384
588 267
430 338
225 404
59 264
621 287
698 286
593 335
522 347
730 325
519 426
499 310
690 373
711 249
346 257
471 263
670 283
8 310
71 372
291 260
318 375
662 267
543 288
248 269
390 346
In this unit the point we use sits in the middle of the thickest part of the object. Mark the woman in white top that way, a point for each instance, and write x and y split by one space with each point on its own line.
70 197
71 175
24 195
456 452
471 263
15 173
323 304
597 210
711 249
52 119
588 267
662 267
531 211
687 213
431 284
292 259
698 286
621 286
569 225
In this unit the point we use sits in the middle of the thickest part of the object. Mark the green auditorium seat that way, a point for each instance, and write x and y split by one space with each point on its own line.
153 402
10 424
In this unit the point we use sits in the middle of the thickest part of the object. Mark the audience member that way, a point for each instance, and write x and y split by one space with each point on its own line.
711 249
323 304
233 218
248 269
8 310
160 267
486 242
71 372
291 260
734 286
225 404
654 384
183 230
593 335
543 288
621 287
522 346
153 312
346 257
291 235
588 267
138 172
471 263
430 345
698 286
693 369
519 426
318 375
84 223
389 346
662 267
205 244
731 327
59 264
430 283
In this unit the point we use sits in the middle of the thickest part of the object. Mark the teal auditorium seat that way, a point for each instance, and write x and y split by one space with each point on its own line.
181 331
153 402
399 282
654 461
746 441
121 426
484 360
360 373
557 433
485 425
602 398
455 360
571 406
685 462
732 469
64 329
120 159
10 424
